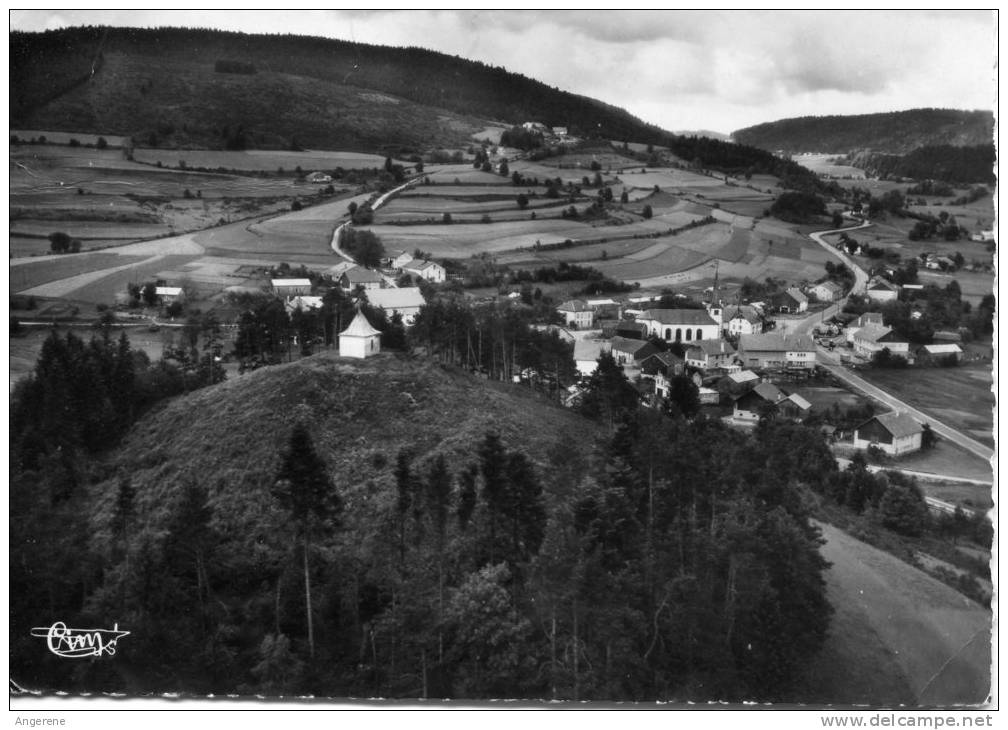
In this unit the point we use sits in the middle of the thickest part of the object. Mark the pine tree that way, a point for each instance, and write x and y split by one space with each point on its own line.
304 489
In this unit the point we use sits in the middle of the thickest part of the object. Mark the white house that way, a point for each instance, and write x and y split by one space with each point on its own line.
406 301
874 338
318 178
742 320
826 291
680 325
291 287
169 294
894 432
560 131
429 270
708 354
577 314
778 351
880 290
360 339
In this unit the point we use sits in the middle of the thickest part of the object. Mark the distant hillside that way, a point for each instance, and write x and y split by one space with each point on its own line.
891 132
704 133
173 87
973 164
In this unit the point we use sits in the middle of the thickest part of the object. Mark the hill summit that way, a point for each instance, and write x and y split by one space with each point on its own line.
888 132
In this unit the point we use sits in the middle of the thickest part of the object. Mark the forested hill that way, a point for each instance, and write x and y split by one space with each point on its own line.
453 537
174 87
891 132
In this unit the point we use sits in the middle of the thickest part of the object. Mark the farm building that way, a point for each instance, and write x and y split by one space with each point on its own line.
790 301
560 131
680 325
794 407
304 303
874 338
291 287
586 355
983 236
339 269
709 396
406 301
894 432
631 352
360 339
577 314
630 328
428 270
827 291
396 259
935 354
744 377
709 354
868 318
169 294
742 319
359 276
946 336
318 178
665 363
880 290
749 406
778 351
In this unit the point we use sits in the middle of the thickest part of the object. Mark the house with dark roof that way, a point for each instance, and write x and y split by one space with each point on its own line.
631 352
764 397
665 363
790 301
894 432
359 276
777 351
630 328
577 313
680 325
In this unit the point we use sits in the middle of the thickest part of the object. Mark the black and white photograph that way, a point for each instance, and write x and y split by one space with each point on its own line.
579 359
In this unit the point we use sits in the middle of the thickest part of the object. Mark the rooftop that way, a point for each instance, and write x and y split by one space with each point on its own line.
360 275
401 298
291 282
898 424
359 327
679 316
776 342
573 305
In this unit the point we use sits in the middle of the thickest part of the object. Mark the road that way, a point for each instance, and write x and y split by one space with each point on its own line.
831 361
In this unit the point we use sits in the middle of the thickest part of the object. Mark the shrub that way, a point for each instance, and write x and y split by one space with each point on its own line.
296 205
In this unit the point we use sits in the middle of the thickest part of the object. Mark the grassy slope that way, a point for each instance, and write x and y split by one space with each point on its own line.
229 437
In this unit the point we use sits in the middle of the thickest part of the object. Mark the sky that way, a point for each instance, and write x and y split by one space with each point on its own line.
682 70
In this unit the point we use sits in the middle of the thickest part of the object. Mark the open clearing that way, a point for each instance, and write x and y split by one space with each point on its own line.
264 160
959 397
899 636
824 165
971 496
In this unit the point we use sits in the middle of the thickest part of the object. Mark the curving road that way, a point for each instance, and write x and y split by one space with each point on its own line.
831 361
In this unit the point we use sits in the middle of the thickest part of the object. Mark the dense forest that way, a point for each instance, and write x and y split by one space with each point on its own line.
945 163
399 528
165 89
889 132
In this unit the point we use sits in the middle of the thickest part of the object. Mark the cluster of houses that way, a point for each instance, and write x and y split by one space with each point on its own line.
719 367
868 335
379 286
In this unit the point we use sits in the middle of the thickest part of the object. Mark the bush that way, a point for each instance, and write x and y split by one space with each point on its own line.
296 205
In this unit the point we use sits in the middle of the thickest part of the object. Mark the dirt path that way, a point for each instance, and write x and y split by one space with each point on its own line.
936 638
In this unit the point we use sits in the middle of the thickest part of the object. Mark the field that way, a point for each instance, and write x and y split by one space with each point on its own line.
823 165
959 397
967 495
263 160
